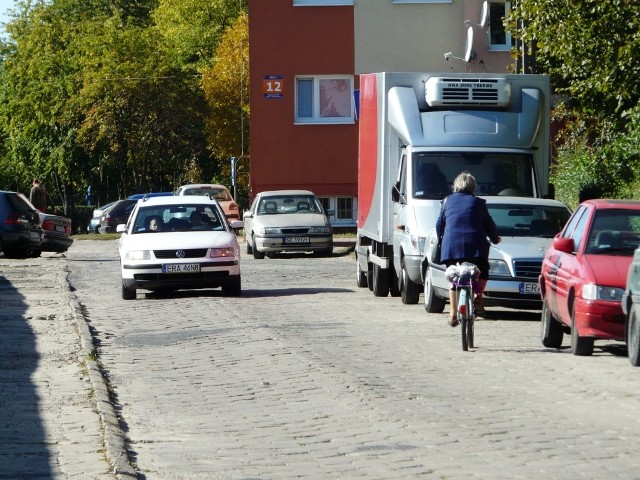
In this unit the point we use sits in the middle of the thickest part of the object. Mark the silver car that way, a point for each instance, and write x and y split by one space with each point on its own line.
527 226
287 221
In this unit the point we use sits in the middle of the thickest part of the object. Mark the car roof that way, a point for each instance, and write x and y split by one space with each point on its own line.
524 201
138 196
272 193
177 200
202 185
601 203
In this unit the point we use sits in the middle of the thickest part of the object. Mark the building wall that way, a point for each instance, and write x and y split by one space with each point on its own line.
286 41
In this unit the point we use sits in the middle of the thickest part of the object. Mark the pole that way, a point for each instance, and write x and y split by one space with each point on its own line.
233 177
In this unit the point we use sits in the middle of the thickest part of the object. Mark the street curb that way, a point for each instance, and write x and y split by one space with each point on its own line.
114 438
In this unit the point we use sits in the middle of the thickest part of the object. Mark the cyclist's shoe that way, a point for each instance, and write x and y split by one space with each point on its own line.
478 309
453 322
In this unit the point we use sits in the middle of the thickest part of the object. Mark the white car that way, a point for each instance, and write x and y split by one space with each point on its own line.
527 227
172 243
219 192
287 221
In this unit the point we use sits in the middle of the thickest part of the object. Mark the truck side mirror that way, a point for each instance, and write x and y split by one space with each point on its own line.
395 192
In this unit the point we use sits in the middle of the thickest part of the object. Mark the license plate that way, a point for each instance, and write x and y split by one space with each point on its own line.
180 267
296 239
529 288
59 228
34 235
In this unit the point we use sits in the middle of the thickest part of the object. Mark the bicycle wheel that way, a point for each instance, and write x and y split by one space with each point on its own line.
464 323
463 314
470 321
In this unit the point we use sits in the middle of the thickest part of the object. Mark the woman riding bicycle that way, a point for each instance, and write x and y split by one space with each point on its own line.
466 224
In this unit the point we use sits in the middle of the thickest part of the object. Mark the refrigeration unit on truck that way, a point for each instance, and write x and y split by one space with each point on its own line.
418 131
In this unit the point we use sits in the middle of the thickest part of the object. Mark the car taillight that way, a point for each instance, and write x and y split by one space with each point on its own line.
48 225
12 219
233 206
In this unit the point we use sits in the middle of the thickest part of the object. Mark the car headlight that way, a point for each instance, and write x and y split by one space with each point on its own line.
325 229
498 268
223 252
598 292
418 243
269 231
138 255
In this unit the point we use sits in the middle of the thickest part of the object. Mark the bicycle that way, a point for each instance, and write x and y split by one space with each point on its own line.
463 277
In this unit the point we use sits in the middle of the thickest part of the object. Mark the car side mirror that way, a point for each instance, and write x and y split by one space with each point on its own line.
236 224
121 228
563 244
247 214
330 213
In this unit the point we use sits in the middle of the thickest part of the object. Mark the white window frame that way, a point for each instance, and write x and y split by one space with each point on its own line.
500 46
322 3
316 116
333 205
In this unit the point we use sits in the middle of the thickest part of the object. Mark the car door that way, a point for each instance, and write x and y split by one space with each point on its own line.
249 218
566 267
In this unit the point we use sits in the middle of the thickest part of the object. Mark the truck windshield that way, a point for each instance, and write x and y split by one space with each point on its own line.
495 173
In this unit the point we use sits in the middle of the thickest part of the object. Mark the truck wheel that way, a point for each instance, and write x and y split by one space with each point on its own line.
380 281
432 303
361 277
394 283
409 290
551 332
370 276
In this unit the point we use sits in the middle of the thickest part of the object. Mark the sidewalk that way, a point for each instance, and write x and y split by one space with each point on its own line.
57 418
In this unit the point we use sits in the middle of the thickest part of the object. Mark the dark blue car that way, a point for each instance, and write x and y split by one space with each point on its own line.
20 233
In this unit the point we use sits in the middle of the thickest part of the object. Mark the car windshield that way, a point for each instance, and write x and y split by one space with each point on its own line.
217 193
178 218
614 231
528 220
285 204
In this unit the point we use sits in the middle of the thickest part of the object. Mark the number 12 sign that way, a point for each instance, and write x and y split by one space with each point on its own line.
273 86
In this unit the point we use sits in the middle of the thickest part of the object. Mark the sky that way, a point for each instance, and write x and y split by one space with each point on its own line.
4 6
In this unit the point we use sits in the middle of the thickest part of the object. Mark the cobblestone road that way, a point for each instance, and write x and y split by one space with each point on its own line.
307 376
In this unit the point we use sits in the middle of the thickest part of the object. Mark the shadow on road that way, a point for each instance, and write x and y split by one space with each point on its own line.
23 446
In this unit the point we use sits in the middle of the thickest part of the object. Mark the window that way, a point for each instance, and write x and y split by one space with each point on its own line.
499 38
344 209
324 99
421 1
321 3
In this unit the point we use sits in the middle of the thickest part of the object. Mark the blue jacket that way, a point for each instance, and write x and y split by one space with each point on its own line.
467 224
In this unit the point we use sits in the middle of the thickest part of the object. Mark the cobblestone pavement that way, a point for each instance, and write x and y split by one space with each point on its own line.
307 376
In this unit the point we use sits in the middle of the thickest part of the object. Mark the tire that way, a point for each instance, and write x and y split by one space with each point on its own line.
248 246
394 284
470 332
370 276
633 336
256 254
432 303
581 346
361 277
128 293
409 290
464 324
233 288
380 281
551 332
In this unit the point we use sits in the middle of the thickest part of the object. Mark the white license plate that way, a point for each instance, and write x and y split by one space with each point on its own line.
529 288
59 228
296 239
34 235
180 267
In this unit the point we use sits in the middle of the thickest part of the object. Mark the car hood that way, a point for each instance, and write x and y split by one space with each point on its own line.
286 220
511 248
178 240
609 270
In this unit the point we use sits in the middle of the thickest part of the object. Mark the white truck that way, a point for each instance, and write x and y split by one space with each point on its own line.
418 131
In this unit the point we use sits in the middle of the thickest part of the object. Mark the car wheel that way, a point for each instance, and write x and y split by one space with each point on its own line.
248 245
128 293
380 281
258 255
432 303
409 290
35 253
233 288
550 329
361 277
633 336
582 346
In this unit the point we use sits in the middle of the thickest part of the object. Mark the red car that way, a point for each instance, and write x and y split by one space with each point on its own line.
584 274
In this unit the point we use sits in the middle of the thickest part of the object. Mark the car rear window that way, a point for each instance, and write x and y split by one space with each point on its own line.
16 203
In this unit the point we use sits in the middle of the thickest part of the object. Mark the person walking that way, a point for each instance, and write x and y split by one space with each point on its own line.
38 195
467 230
